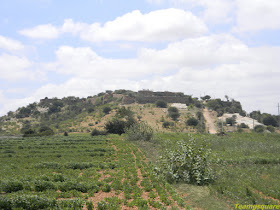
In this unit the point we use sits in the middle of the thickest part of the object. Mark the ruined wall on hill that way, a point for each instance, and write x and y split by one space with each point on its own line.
147 96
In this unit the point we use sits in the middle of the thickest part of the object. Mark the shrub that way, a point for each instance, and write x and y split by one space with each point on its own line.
139 131
11 186
243 125
161 104
5 203
192 122
96 132
173 113
172 109
90 110
31 202
231 120
167 124
43 185
270 128
106 110
118 126
174 116
106 188
259 128
45 131
270 120
188 162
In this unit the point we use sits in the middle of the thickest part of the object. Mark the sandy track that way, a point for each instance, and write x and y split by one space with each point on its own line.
210 121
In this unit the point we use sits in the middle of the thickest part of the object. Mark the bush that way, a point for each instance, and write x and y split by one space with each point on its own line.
45 131
29 132
173 113
243 125
96 132
31 202
231 120
192 122
106 110
187 162
11 186
174 116
172 109
167 124
43 186
139 131
115 126
161 104
270 120
270 128
118 126
259 128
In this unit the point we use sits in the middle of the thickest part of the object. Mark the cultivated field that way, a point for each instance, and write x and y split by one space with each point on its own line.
80 172
246 166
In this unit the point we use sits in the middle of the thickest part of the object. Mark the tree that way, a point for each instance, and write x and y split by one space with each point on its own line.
243 125
270 120
231 120
139 131
192 122
161 104
259 128
45 131
206 97
173 113
116 126
106 110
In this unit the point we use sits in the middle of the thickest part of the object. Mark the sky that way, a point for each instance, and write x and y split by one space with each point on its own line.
80 48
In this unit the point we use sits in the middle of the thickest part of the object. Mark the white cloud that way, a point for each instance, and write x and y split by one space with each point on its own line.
217 11
255 15
10 44
156 26
46 31
200 52
75 28
14 68
160 25
213 11
85 63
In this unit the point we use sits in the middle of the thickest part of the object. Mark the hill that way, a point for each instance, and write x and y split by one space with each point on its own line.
74 114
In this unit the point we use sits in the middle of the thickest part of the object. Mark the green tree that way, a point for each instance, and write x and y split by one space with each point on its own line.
173 113
270 120
161 104
106 110
231 120
259 128
192 122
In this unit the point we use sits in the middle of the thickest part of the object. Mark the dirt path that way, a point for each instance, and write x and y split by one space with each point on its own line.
210 121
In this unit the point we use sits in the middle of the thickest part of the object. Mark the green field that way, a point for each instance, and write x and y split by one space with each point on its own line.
79 171
108 172
246 166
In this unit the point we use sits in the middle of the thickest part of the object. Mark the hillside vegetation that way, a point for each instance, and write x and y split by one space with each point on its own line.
73 114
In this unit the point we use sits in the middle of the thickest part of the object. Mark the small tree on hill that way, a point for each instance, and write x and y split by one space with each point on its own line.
231 120
161 104
259 128
192 122
173 113
106 110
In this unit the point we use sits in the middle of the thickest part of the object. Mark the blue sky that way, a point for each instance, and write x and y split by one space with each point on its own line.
80 48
